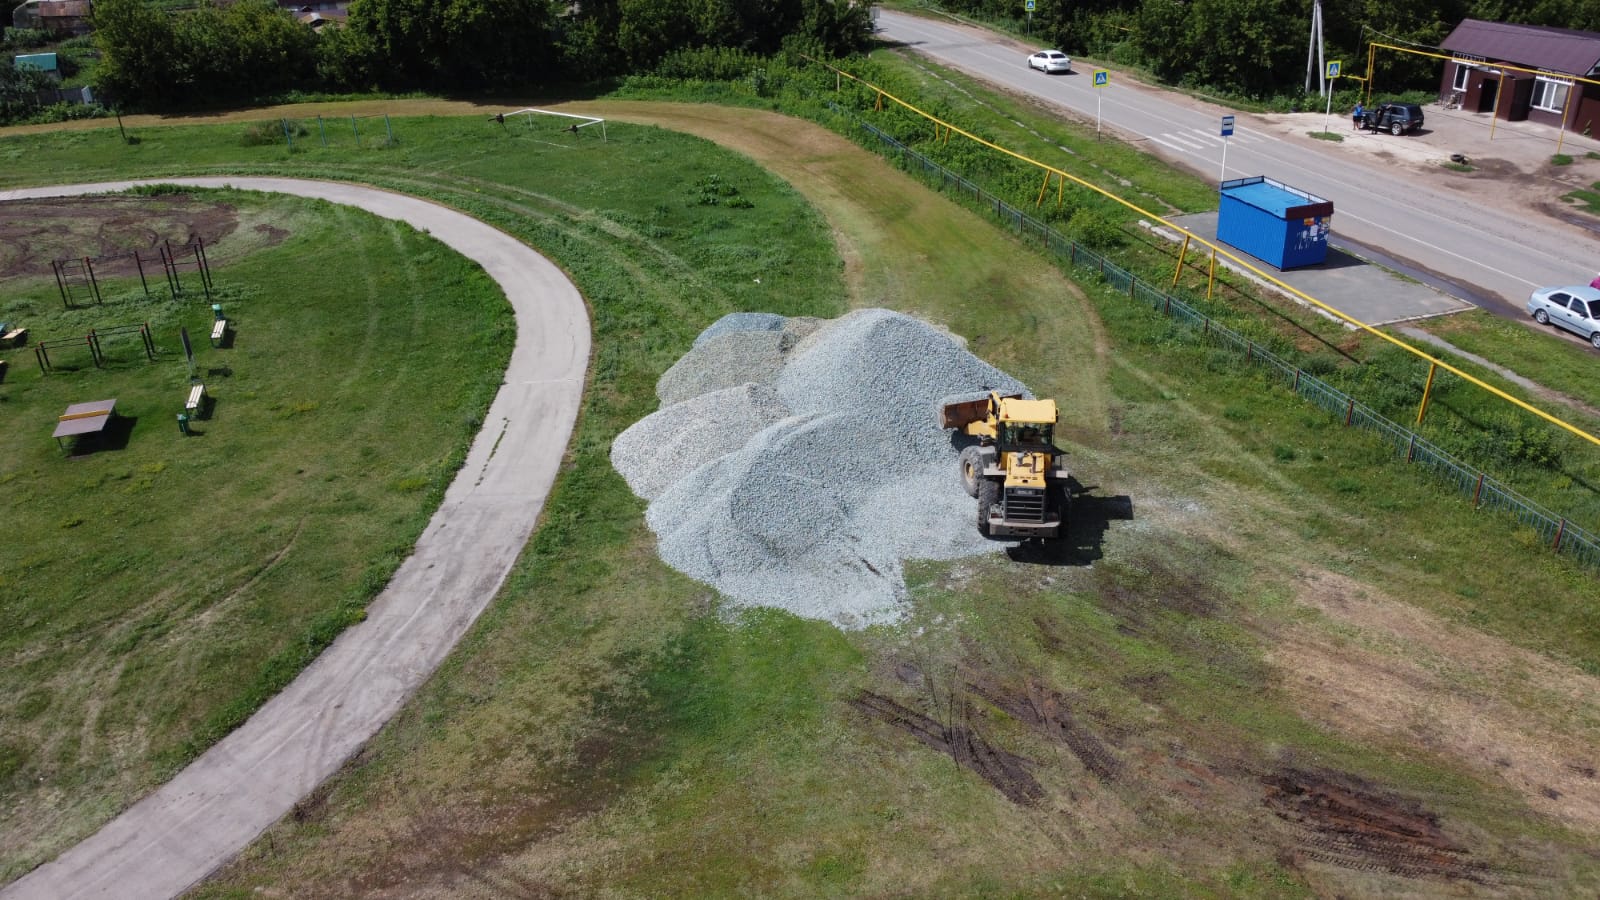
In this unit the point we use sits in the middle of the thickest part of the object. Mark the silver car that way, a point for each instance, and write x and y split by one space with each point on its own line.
1048 61
1577 309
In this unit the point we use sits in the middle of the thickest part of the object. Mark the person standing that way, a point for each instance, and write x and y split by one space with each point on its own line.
1356 115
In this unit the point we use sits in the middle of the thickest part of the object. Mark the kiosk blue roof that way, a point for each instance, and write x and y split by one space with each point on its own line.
1280 200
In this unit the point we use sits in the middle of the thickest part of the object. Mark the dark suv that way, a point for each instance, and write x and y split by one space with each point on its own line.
1395 118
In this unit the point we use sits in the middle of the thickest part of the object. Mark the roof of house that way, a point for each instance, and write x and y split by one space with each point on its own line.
43 61
1532 46
65 9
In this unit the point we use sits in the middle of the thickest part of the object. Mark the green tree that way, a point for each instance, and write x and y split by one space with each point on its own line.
138 52
458 43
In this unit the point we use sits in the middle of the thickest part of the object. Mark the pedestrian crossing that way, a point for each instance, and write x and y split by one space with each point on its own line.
1202 140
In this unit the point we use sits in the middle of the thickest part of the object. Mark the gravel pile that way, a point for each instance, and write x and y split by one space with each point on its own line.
811 462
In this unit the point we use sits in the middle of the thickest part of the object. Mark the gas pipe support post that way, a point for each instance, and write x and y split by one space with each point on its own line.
1178 269
1427 391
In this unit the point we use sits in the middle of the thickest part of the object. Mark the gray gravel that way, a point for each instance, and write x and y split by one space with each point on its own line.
666 445
727 360
806 486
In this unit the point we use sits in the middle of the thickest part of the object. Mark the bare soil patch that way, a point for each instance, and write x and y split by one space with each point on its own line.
1404 675
109 229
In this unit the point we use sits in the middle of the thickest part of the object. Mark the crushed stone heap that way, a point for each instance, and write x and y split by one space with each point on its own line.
796 463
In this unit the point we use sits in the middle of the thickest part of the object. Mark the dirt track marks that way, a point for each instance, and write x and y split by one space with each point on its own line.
1008 772
1341 821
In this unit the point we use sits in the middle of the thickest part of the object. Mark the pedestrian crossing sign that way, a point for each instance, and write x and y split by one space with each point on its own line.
1101 77
1333 68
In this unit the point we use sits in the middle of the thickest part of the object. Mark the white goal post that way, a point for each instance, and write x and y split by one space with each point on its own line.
582 121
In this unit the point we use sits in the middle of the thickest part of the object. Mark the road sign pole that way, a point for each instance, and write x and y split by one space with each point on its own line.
1327 112
1097 96
1227 132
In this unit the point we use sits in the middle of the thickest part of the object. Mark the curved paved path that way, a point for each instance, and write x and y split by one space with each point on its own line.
203 817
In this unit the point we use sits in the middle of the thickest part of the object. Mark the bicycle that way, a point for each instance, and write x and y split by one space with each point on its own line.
1453 101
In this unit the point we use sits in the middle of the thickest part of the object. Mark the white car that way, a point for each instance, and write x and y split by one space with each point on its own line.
1577 309
1048 61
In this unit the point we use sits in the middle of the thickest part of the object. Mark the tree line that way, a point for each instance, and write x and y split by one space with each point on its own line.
1257 48
151 58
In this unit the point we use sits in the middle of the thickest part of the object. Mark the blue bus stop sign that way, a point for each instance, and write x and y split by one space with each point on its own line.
1227 126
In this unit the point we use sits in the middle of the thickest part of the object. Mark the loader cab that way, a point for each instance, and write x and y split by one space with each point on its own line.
1027 435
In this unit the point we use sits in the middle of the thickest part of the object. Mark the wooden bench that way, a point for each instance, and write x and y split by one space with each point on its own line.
197 396
218 330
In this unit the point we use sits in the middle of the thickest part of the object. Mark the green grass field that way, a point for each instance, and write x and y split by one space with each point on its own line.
157 590
1289 617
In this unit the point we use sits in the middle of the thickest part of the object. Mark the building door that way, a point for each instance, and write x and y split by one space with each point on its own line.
1488 89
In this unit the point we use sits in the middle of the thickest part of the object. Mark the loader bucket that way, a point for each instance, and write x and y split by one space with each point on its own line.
956 415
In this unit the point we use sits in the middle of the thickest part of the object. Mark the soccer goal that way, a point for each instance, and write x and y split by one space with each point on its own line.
567 122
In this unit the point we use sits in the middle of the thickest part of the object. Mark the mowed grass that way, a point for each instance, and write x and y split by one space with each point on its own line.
604 729
600 730
157 589
311 450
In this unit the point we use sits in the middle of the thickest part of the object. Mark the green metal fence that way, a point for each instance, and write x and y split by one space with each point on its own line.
1484 490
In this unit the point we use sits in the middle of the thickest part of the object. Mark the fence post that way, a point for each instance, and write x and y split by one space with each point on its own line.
1477 491
140 263
1297 381
1560 530
1207 330
55 266
43 357
1411 447
94 283
1350 412
1249 351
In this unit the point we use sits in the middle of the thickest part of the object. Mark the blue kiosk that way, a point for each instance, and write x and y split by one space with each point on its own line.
1273 222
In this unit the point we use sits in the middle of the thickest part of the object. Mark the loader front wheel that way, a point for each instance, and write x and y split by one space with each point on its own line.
1061 496
988 496
971 469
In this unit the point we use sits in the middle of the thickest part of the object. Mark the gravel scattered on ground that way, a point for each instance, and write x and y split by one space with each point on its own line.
807 484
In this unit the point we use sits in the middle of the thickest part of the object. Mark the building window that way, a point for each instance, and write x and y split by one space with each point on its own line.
1549 94
1463 72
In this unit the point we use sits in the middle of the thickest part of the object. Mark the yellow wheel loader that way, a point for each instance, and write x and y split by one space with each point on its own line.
1014 470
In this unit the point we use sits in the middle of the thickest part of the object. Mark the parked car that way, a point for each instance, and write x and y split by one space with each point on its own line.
1577 309
1395 118
1048 61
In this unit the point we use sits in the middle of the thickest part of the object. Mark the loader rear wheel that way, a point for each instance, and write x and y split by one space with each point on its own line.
971 469
988 496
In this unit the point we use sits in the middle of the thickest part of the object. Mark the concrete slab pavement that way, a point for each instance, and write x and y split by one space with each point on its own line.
222 801
1354 286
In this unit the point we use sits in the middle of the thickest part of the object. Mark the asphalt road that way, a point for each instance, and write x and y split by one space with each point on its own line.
200 819
1492 249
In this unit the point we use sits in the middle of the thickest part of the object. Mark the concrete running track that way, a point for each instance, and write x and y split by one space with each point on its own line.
222 801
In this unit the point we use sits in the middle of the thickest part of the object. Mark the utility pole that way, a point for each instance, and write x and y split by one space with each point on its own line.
1314 65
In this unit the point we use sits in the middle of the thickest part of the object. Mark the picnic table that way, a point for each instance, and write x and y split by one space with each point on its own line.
13 337
84 418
